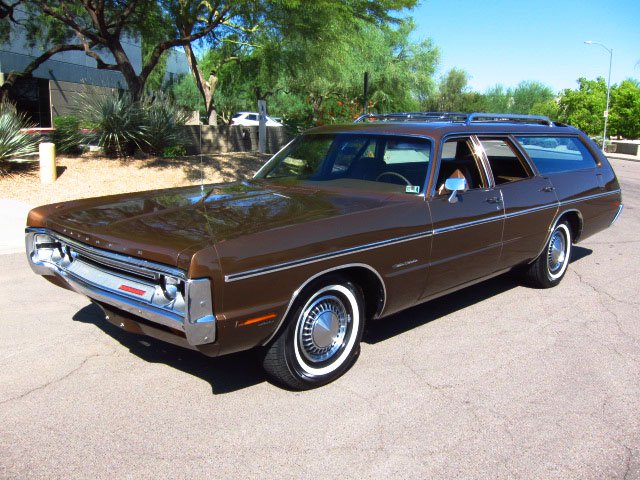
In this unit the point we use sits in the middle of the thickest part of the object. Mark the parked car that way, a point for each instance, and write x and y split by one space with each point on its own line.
346 224
251 119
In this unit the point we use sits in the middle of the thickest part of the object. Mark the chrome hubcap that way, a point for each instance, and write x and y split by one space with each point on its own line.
557 252
324 328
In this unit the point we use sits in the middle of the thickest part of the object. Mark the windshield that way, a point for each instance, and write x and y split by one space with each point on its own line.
375 159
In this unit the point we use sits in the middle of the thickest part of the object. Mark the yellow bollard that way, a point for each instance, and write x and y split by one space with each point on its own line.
48 172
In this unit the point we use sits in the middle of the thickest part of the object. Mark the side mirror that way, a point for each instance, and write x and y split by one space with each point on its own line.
455 185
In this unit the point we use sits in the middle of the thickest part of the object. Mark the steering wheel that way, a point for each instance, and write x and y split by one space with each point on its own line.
394 174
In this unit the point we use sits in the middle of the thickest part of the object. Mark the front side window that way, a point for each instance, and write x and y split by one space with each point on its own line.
557 154
375 159
459 161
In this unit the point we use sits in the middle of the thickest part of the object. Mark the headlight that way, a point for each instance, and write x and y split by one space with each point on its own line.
46 248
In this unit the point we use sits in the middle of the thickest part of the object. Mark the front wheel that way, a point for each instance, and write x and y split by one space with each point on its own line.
321 339
548 269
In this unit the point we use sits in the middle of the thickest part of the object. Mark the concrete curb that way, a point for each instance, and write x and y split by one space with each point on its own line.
620 156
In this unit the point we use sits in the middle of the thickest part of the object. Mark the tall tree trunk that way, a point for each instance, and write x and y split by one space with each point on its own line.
316 103
206 88
134 81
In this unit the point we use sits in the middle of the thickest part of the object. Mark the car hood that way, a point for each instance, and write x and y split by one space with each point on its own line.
161 225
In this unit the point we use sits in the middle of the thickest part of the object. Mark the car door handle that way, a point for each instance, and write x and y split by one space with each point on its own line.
547 189
494 200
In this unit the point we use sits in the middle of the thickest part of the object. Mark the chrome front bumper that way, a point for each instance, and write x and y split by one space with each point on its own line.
157 293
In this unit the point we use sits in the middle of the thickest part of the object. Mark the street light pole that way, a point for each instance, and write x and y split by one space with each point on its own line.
606 111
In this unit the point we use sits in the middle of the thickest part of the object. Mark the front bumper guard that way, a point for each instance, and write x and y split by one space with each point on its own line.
194 317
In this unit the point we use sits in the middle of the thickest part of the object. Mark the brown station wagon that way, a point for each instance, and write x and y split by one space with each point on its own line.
344 224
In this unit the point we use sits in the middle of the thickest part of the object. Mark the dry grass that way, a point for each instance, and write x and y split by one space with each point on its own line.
95 176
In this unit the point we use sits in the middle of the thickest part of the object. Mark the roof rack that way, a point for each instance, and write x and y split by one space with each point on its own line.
455 117
413 116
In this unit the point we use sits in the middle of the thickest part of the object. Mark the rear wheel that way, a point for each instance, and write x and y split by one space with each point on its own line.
321 339
548 269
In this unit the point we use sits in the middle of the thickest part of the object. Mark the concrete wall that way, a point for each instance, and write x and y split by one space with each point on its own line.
627 147
224 139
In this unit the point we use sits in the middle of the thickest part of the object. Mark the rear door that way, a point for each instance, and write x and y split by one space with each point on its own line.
466 234
530 201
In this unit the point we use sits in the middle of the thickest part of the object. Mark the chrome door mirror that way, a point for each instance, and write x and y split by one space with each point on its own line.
455 185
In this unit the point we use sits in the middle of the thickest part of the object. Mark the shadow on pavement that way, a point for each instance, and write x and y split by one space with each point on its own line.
225 374
399 323
241 370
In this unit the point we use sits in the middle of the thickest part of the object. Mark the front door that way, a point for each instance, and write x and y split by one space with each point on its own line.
467 234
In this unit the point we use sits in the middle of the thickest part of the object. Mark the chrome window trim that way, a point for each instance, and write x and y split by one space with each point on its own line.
484 161
319 274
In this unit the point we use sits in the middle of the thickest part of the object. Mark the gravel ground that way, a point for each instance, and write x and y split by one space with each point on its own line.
94 176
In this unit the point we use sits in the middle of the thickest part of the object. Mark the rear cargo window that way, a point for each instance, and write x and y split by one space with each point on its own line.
557 154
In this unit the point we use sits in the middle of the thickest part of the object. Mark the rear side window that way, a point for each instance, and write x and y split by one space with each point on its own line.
506 165
557 154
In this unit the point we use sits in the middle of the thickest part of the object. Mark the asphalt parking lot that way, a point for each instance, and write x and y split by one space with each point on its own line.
495 381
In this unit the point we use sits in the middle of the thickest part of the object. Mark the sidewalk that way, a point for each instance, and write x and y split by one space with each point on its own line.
13 217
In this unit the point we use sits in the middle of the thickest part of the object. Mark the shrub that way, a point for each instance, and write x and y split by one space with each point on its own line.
67 136
117 120
174 151
163 122
13 141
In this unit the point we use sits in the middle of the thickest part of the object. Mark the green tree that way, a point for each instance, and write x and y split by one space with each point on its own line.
584 107
497 99
528 94
452 91
528 97
624 119
103 26
314 72
250 30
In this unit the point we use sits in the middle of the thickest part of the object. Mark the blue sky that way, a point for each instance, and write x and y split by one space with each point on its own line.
502 41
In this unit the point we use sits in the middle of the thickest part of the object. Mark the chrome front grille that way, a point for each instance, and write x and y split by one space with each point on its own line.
156 292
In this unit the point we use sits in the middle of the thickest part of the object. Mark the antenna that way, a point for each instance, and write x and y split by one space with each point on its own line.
201 159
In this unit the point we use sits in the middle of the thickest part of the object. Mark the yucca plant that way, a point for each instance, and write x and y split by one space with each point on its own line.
14 142
117 120
163 122
67 135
